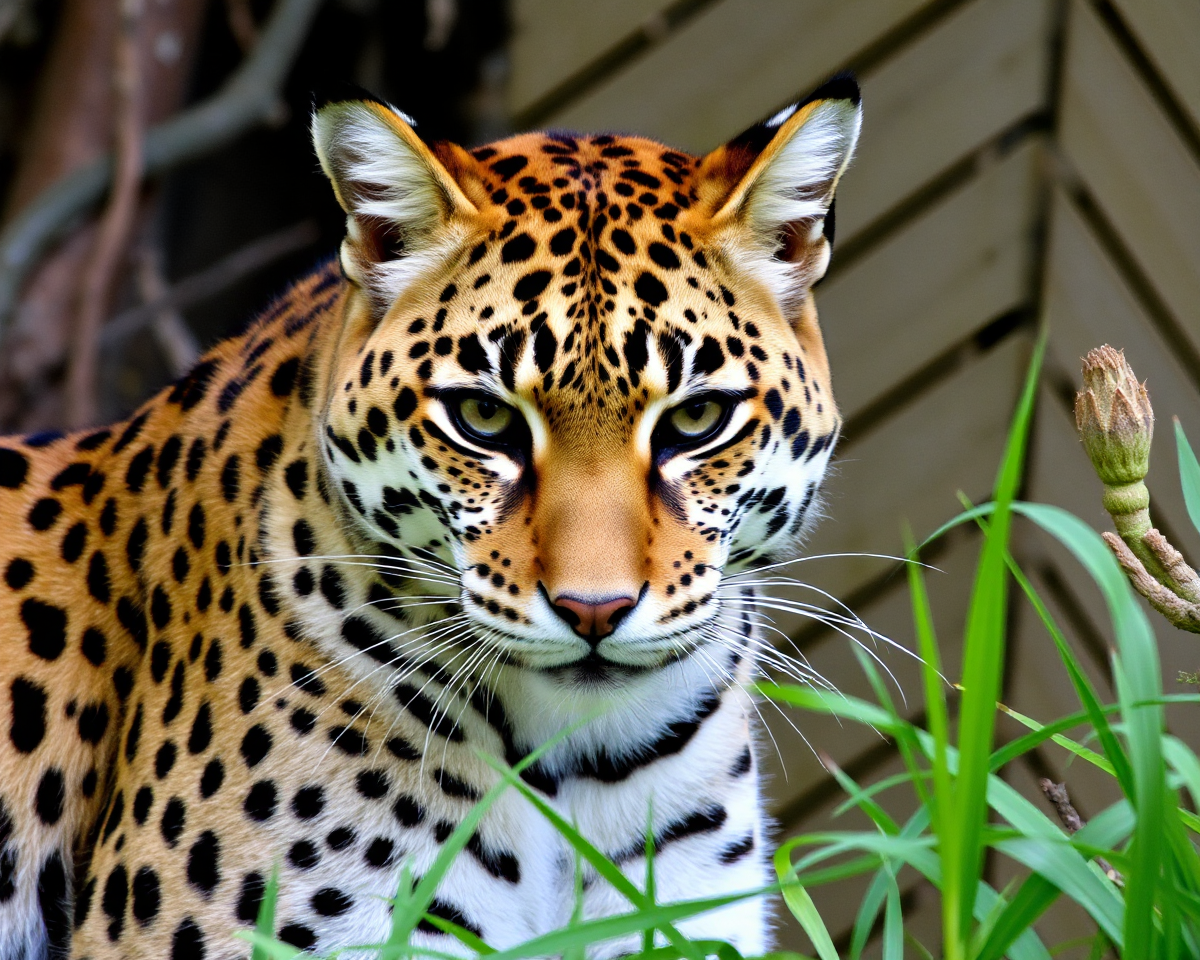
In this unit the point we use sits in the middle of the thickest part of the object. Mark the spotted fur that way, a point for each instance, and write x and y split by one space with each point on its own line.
285 613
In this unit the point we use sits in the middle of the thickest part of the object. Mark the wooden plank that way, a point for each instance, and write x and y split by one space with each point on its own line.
1141 174
1169 32
737 61
910 468
552 39
935 282
975 74
1087 304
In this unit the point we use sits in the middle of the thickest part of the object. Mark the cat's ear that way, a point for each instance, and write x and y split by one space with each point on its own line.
406 208
770 190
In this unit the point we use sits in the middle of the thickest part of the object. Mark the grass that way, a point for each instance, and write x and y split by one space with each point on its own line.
965 813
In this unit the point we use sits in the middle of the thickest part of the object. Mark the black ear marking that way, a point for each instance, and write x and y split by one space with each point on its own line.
841 86
827 226
327 92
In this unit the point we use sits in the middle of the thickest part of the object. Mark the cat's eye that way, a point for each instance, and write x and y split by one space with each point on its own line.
694 421
487 421
697 418
484 417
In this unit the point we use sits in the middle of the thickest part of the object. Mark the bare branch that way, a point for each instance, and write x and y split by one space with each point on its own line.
116 225
213 279
248 98
172 333
241 23
1056 793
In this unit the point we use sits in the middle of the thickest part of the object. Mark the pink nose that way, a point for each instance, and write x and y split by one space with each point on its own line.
593 621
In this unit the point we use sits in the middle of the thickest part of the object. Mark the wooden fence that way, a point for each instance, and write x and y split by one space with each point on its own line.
1022 161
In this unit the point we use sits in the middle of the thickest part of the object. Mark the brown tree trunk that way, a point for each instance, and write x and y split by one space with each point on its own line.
72 124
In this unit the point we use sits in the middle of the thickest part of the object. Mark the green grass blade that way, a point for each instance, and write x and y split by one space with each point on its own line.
937 713
1040 734
265 924
1189 474
868 910
461 934
893 923
1139 685
620 925
805 911
983 666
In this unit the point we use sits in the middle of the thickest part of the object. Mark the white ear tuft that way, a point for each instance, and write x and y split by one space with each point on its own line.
779 180
401 203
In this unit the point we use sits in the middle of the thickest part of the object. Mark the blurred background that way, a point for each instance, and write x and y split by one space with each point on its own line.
1022 162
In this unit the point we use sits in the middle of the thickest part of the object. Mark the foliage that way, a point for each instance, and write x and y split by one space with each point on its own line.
1145 904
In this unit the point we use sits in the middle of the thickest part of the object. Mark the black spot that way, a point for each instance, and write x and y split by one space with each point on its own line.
94 646
14 468
284 378
97 578
664 256
204 862
349 741
51 794
116 897
518 249
340 838
256 744
142 802
247 627
738 849
18 573
139 466
303 538
507 168
471 355
188 941
47 626
251 897
331 902
379 852
201 735
298 935
231 478
408 812
372 784
304 854
52 898
454 787
93 721
650 289
296 476
308 802
405 404
307 680
401 749
709 356
73 542
531 285
43 513
173 819
212 778
164 759
545 346
260 801
562 242
146 897
160 607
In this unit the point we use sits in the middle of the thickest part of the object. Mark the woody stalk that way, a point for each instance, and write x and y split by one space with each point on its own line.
1116 424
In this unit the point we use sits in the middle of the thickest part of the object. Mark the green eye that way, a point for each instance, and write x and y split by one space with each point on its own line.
697 418
485 418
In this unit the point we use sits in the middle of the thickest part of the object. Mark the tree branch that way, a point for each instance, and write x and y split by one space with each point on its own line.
1056 793
212 279
249 97
112 240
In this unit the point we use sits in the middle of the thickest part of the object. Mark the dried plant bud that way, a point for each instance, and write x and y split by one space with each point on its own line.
1114 418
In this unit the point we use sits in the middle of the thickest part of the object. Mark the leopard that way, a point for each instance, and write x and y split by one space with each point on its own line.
487 482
